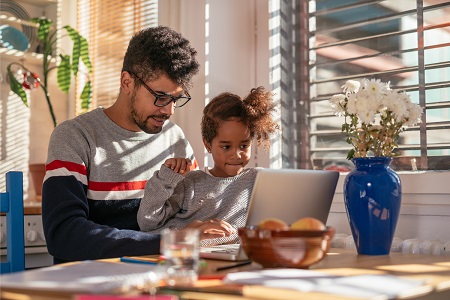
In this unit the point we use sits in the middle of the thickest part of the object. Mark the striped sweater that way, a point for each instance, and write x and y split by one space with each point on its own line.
95 179
174 201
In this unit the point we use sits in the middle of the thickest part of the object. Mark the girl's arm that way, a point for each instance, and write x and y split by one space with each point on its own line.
160 201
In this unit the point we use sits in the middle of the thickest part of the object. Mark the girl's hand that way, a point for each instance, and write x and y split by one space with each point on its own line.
179 165
214 228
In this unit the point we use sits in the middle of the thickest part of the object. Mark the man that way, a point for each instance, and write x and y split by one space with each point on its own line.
99 162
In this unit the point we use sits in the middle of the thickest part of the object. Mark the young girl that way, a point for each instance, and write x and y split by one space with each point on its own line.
220 195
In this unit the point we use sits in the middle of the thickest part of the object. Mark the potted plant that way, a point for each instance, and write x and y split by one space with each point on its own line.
66 66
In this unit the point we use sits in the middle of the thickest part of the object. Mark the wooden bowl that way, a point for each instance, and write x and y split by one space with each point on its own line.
285 248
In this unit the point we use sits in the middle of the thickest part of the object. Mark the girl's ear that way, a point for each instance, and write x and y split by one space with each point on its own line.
207 145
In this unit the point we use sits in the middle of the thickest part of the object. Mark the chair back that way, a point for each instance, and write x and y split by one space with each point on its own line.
11 204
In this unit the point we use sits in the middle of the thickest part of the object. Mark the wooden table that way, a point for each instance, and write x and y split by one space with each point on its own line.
435 270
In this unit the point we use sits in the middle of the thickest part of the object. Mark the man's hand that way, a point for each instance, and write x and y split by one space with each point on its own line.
211 229
179 165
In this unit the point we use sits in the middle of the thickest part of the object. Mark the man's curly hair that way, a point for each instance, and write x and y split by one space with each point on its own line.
157 51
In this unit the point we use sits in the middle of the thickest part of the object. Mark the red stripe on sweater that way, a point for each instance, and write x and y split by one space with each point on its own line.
117 186
71 166
102 186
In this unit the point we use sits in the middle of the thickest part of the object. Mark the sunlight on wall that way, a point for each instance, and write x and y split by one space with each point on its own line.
14 135
275 76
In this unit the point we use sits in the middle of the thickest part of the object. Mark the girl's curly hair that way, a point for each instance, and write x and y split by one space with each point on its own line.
255 111
156 51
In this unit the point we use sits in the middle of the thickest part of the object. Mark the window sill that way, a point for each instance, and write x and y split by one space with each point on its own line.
424 193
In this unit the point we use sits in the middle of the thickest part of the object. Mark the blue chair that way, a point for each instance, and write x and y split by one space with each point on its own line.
11 203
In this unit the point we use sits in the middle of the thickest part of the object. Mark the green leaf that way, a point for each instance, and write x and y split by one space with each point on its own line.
80 49
84 52
350 154
64 73
17 88
76 48
44 27
86 97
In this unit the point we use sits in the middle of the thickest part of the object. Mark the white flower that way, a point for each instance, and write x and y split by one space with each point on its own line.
398 103
377 114
415 113
351 104
337 103
375 86
351 86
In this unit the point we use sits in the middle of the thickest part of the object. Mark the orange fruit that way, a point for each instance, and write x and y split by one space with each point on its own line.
308 224
273 224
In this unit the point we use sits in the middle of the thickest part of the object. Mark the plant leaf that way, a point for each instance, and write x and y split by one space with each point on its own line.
80 49
44 27
350 154
17 88
64 73
86 96
84 52
76 48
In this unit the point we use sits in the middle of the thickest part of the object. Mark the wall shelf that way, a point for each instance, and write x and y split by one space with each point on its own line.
14 20
25 57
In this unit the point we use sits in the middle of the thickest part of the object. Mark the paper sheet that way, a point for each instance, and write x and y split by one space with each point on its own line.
362 286
83 277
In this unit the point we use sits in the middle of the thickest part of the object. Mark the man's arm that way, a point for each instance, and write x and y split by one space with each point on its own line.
71 236
68 214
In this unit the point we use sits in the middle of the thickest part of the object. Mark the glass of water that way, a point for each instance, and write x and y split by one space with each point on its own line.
181 251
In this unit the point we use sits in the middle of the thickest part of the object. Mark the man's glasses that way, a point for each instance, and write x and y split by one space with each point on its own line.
163 99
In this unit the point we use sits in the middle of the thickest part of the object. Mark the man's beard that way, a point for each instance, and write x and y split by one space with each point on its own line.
141 122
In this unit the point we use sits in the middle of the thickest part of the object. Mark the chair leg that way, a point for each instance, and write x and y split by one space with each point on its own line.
14 222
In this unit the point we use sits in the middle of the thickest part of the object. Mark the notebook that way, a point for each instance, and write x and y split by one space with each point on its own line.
90 277
286 194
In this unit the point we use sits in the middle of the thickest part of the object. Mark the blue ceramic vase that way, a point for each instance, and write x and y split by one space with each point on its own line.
372 195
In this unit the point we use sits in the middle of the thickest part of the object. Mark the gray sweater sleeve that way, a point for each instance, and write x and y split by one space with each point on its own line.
160 203
198 196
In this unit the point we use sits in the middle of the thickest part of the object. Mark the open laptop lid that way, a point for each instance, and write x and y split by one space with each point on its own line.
291 194
287 194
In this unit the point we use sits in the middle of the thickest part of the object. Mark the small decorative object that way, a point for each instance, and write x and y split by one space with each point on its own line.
30 80
375 115
13 10
12 38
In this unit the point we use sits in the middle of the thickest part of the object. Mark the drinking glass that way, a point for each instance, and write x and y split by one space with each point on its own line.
181 251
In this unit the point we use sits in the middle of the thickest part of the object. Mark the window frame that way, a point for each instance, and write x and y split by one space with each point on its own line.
296 82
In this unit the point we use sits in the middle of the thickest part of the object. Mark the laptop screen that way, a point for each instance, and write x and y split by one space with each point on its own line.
291 194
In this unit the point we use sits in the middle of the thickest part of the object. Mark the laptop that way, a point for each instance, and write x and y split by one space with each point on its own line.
286 194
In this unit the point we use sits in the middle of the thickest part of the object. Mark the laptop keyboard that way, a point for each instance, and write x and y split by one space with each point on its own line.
228 248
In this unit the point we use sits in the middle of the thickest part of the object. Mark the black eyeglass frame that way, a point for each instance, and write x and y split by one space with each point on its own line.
159 96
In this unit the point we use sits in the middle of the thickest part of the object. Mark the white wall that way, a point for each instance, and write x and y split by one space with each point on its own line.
231 37
188 17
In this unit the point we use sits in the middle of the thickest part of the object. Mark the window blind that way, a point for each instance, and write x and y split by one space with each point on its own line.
108 25
406 43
